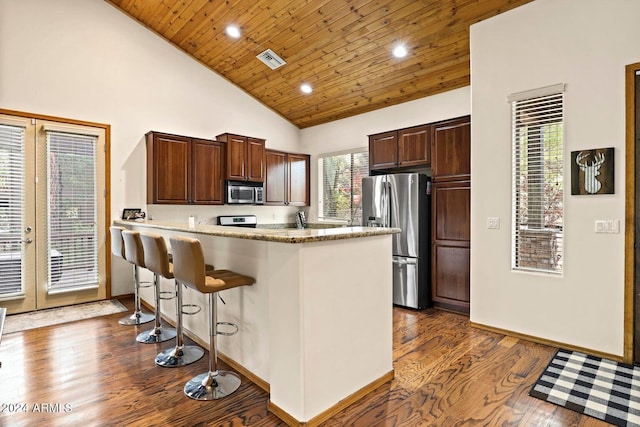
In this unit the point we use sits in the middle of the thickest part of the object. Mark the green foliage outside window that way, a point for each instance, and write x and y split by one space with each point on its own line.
342 186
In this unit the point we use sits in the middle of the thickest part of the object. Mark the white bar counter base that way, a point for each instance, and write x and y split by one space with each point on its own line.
317 324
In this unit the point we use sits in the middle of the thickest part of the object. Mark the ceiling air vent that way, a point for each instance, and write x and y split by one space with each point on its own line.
270 58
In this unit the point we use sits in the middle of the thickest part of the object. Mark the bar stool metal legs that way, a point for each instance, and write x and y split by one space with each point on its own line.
214 384
158 333
181 354
138 317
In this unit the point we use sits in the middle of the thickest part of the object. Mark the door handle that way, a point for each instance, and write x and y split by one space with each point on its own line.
27 240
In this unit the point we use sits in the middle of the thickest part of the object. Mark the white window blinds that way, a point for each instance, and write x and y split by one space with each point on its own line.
12 157
538 187
72 217
340 192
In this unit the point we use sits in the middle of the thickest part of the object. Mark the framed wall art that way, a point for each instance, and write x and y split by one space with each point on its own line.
131 213
592 171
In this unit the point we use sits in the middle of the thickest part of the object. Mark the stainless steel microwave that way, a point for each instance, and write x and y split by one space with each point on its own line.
244 193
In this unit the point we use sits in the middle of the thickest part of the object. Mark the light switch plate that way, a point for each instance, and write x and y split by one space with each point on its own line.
611 226
493 223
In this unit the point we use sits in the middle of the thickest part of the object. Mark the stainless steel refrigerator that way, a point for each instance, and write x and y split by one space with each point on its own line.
403 201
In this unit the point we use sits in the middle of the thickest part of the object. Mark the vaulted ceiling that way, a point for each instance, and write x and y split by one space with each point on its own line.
342 48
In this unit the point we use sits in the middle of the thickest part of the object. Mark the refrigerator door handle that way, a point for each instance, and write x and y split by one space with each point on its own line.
404 261
387 207
383 205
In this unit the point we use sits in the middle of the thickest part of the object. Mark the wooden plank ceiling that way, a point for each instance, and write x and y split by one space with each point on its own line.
342 48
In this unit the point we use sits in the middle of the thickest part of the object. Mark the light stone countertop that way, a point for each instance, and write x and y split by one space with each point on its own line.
266 234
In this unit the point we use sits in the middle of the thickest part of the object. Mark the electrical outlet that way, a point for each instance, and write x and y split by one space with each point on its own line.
493 223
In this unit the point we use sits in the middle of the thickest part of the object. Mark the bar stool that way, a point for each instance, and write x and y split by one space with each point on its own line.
156 259
118 248
181 354
189 269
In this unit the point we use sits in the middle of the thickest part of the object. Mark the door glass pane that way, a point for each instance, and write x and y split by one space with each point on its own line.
72 216
12 154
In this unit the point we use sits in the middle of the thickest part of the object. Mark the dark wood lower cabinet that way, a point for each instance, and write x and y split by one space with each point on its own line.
451 276
451 233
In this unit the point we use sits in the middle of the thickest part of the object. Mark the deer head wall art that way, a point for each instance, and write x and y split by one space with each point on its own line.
592 171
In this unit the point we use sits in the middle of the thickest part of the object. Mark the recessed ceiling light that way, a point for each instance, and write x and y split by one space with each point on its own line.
233 31
306 88
400 51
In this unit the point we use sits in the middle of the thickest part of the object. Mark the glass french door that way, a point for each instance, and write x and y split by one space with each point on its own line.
52 214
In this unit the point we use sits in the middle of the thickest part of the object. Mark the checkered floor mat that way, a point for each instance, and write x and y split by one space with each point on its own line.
597 387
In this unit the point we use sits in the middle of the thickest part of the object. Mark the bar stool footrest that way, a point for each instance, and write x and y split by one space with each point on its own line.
226 333
167 295
145 284
195 307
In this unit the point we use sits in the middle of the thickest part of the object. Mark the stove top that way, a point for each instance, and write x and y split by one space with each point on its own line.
249 221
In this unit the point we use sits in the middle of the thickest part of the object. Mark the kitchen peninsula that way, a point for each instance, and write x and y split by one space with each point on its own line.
317 324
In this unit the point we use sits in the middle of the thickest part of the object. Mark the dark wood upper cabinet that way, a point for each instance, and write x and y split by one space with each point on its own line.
245 157
207 172
451 149
383 150
400 148
255 159
287 179
298 179
414 146
236 156
184 170
276 182
168 168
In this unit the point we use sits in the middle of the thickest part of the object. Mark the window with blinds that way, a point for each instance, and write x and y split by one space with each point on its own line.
12 157
538 187
340 192
72 217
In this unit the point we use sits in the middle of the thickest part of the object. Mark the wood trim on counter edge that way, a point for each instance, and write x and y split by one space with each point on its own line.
330 412
545 341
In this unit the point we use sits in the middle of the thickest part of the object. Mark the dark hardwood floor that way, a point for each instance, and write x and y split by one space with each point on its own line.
93 373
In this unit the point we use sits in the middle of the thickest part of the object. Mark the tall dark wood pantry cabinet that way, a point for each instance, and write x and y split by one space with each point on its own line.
451 213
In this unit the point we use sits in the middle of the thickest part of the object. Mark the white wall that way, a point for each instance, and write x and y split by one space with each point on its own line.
353 132
85 60
585 44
